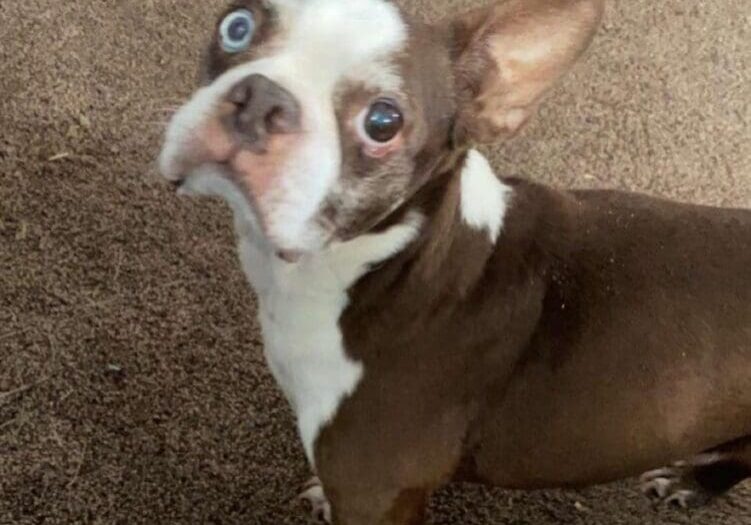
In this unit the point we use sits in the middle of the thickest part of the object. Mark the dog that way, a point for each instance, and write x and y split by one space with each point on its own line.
430 321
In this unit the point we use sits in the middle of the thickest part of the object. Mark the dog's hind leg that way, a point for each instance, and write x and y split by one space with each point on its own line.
694 483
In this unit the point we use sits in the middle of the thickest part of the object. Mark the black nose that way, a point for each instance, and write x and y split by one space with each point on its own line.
262 108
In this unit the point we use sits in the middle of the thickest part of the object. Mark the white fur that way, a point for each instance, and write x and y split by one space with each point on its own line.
322 44
300 305
484 198
299 308
315 496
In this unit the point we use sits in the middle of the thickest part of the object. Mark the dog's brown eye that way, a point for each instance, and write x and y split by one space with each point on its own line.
384 121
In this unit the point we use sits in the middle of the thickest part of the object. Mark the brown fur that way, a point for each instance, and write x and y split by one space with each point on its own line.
603 334
502 75
585 347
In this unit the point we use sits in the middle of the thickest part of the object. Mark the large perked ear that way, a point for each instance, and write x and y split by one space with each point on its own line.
508 55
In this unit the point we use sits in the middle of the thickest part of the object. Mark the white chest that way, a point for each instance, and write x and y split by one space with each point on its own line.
299 308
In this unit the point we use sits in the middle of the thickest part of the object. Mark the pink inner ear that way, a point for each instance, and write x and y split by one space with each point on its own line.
532 44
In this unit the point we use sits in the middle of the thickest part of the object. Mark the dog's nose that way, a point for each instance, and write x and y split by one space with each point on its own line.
262 108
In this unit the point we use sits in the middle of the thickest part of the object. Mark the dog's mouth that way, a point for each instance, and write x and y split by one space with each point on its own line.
177 185
223 179
272 180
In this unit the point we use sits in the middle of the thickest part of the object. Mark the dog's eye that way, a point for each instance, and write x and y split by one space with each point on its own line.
236 31
383 122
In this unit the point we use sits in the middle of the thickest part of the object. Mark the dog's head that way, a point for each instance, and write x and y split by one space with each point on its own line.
322 117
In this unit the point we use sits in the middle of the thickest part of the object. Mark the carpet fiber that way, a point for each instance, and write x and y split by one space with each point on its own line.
132 384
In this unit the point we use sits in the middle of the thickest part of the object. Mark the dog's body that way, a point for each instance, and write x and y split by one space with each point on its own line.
640 354
429 321
599 364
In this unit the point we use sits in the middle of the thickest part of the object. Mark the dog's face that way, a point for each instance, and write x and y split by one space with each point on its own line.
321 117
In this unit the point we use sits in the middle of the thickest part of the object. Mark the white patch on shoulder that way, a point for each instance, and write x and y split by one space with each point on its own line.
299 309
484 198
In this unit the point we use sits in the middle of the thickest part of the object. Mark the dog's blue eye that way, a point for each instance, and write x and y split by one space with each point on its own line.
236 31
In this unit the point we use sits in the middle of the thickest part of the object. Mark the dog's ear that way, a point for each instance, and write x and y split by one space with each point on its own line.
508 55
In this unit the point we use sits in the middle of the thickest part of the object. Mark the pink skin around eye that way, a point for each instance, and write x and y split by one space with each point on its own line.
380 151
371 148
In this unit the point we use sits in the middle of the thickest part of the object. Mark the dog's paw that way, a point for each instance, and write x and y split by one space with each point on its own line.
315 500
675 487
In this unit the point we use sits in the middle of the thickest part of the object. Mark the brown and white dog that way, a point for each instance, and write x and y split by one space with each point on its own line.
430 321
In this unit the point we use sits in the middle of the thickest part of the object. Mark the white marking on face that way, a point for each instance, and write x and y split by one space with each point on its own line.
484 198
300 306
322 43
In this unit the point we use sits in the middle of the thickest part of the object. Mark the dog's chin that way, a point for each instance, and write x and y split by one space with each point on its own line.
217 180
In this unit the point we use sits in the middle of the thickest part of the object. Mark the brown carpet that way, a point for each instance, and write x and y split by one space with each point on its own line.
132 385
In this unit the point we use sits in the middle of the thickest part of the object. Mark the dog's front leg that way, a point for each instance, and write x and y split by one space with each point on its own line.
314 497
378 506
408 508
366 505
387 476
380 479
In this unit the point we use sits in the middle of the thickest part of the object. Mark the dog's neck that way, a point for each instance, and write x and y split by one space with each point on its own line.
453 220
300 306
464 206
461 197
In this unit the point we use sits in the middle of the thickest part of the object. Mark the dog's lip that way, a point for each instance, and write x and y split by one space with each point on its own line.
290 256
179 180
180 183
